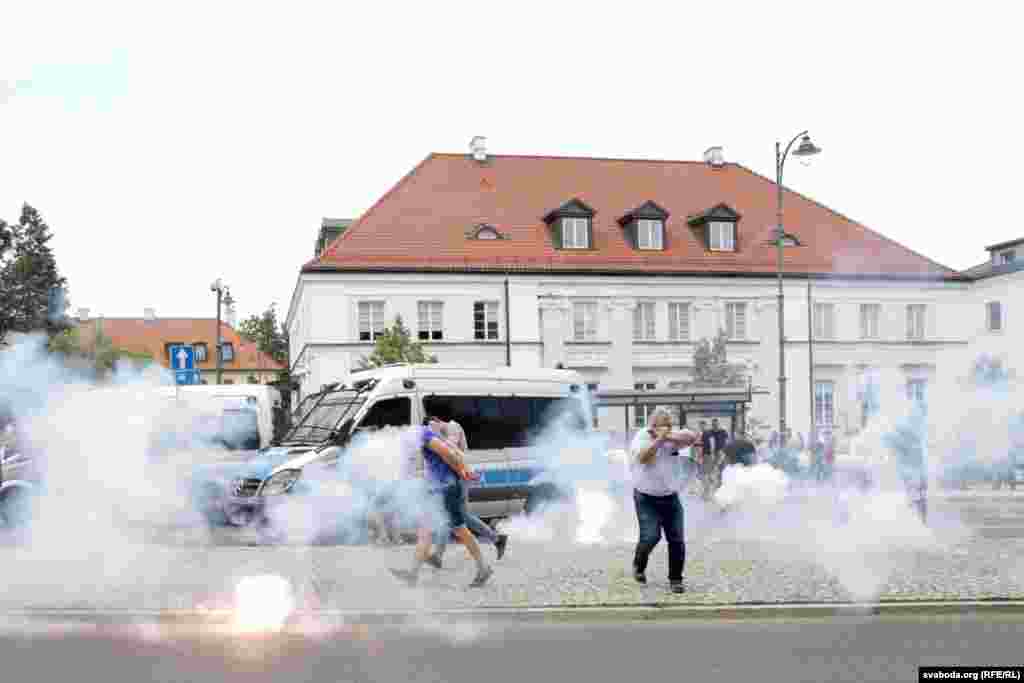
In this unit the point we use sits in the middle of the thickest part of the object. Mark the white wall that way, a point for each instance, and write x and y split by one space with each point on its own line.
325 324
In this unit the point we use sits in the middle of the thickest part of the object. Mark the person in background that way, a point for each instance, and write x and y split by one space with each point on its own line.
829 453
712 442
454 434
656 472
443 466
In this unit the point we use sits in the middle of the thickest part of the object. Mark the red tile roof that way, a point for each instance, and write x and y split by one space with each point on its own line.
139 335
422 223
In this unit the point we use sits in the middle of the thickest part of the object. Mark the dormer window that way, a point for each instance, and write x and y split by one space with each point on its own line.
717 227
571 225
645 227
575 233
483 231
649 233
722 236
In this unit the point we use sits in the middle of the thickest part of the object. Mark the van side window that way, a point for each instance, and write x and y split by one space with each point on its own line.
504 422
389 412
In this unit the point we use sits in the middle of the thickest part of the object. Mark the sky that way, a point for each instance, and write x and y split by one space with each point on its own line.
168 145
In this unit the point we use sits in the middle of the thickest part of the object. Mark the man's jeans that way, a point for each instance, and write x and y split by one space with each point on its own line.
476 525
655 513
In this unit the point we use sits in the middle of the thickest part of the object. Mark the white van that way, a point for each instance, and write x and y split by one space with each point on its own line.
248 415
500 409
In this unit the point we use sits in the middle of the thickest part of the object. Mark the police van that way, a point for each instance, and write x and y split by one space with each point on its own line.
502 410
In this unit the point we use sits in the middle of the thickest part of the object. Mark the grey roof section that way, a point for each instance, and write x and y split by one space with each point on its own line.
1004 245
988 269
330 230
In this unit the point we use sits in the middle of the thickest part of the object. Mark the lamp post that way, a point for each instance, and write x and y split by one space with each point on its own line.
806 149
221 289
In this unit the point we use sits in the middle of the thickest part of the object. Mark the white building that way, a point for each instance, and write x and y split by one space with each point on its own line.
616 268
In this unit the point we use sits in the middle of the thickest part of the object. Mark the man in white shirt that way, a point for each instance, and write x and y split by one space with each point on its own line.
657 473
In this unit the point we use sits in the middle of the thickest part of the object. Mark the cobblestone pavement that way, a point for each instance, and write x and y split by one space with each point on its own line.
187 573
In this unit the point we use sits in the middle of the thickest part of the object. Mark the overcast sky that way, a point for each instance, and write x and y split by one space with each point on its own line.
171 144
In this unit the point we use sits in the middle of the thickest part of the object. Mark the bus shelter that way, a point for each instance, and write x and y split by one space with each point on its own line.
731 402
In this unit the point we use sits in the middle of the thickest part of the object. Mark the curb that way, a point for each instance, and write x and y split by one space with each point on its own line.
583 614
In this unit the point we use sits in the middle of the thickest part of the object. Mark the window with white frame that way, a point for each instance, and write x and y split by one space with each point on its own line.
722 236
485 320
995 316
870 314
824 321
643 321
824 403
430 315
649 233
371 320
915 321
916 390
736 320
869 394
575 233
643 412
584 321
679 321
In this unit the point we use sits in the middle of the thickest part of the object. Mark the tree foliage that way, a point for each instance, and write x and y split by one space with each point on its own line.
395 345
711 366
990 371
28 273
99 354
269 335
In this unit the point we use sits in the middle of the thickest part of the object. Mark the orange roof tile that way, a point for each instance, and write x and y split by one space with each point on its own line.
422 222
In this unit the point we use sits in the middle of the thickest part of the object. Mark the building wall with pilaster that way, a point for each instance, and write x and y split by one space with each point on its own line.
325 343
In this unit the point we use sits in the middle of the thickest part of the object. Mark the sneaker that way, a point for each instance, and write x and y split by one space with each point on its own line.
434 561
639 576
500 544
405 576
482 576
677 587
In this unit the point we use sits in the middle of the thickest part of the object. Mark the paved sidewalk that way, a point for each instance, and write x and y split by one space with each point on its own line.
720 570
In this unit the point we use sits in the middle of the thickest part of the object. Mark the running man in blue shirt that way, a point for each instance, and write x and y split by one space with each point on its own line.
443 467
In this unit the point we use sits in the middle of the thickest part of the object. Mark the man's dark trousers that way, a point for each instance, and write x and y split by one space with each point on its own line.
655 513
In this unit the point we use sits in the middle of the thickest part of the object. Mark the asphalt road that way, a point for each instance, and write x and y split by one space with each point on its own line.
844 649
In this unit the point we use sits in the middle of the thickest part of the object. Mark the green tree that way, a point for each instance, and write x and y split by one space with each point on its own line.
269 335
395 345
101 354
711 366
28 272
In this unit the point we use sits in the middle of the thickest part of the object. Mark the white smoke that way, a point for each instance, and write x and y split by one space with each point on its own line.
759 485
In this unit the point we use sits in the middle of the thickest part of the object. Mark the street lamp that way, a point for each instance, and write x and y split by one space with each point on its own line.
221 289
806 149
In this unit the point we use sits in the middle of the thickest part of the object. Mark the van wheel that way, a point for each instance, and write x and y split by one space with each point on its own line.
16 508
544 496
209 502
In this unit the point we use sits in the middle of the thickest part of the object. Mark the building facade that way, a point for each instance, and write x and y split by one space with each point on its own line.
618 268
152 337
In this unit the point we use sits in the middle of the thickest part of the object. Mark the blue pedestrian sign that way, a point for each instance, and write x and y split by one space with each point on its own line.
182 357
186 377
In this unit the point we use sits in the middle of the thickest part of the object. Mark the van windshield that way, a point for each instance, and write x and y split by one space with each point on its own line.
322 419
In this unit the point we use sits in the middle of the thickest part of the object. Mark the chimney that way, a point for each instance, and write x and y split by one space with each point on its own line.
149 314
714 157
478 148
83 314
